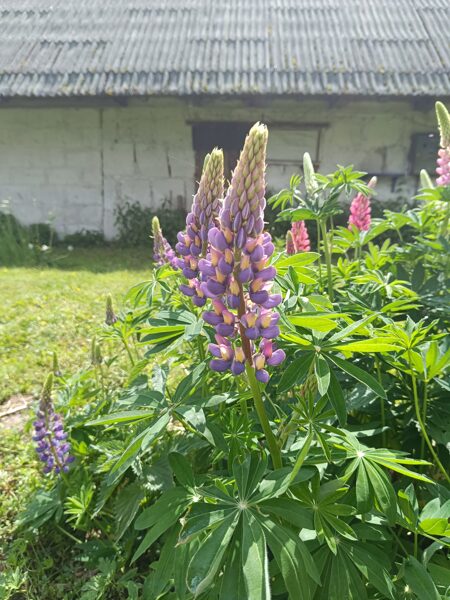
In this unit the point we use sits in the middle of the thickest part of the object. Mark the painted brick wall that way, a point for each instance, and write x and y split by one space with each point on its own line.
75 165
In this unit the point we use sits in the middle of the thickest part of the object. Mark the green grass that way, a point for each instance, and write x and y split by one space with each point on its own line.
58 308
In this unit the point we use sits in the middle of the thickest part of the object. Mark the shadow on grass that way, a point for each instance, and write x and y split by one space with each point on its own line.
98 259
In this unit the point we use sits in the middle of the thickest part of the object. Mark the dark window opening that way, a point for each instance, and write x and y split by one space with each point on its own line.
228 135
423 154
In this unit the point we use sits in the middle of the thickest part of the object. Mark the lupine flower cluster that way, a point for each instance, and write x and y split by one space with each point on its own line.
110 315
300 237
360 210
290 247
443 161
236 275
162 250
51 440
193 243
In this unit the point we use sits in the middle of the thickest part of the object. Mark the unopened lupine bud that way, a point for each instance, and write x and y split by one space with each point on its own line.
443 118
162 250
360 210
110 316
96 354
425 180
192 244
443 161
242 214
290 248
51 440
55 369
300 237
236 273
309 174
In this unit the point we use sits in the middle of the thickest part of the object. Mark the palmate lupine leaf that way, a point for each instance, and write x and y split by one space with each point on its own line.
255 564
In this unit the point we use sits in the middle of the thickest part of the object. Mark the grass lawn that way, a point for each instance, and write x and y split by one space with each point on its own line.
58 308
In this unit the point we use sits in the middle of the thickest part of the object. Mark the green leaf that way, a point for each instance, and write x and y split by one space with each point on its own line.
435 526
372 345
182 470
203 517
168 501
121 417
254 559
419 580
290 510
152 432
312 322
167 520
161 576
359 375
322 371
384 492
233 583
373 564
272 486
300 259
127 504
296 372
188 384
363 490
336 398
293 560
248 473
207 560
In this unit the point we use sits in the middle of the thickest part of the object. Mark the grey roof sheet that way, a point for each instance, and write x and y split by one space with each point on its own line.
183 47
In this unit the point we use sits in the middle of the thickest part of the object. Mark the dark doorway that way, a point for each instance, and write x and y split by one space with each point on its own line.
228 135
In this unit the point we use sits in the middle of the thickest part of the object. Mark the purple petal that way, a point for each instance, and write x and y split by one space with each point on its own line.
237 367
233 301
182 249
267 273
217 239
271 332
215 287
273 300
199 301
245 275
215 350
212 318
257 254
277 358
186 290
220 365
259 297
224 329
206 268
241 238
224 267
262 375
252 333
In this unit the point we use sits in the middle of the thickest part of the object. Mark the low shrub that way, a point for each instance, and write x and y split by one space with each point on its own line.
133 222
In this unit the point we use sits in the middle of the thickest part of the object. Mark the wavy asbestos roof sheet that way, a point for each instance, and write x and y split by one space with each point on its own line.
51 48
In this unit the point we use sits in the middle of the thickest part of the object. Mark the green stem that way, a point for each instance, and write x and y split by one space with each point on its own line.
382 407
422 424
127 348
318 252
202 355
424 417
416 540
302 455
262 416
326 250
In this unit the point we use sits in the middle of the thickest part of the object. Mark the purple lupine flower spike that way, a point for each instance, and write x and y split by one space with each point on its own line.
51 440
192 244
236 273
443 161
162 250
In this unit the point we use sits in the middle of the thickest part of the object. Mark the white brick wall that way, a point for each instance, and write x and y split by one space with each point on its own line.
75 165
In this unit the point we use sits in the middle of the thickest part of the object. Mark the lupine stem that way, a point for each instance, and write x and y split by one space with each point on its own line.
262 416
383 412
424 417
326 250
422 424
318 252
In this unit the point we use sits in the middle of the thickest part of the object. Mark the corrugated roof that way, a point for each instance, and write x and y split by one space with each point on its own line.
181 47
